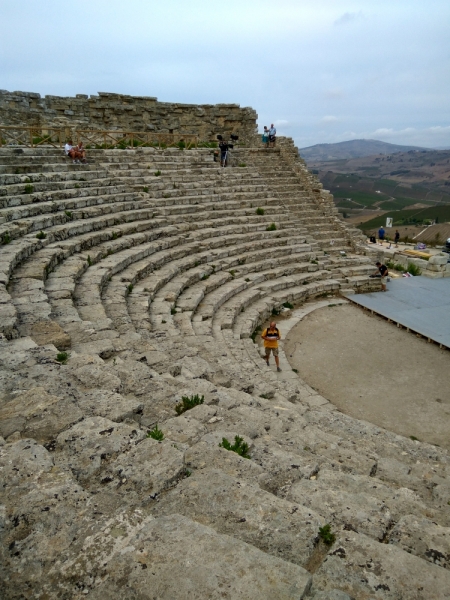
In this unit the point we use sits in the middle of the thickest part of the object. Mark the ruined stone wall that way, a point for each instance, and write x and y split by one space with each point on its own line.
130 113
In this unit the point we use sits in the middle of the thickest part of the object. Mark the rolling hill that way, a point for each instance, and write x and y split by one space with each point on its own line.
351 149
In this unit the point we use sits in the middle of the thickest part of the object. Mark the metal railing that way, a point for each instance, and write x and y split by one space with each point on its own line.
33 137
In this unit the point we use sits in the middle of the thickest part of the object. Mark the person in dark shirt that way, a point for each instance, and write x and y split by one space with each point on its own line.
396 237
223 152
382 270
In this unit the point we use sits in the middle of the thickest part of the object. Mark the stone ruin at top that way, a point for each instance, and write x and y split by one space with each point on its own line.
138 279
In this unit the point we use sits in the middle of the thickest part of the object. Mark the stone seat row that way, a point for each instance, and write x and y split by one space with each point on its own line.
180 286
66 225
188 258
45 260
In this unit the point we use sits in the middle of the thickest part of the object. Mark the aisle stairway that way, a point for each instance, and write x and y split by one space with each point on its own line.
154 268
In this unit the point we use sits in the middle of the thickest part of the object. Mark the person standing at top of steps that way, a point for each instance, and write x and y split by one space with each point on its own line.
272 136
397 237
271 335
381 233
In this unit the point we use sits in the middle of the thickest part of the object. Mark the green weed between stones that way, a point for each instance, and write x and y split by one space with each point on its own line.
157 173
242 165
62 357
145 189
173 310
239 446
288 305
89 261
29 189
68 214
259 211
271 227
326 535
129 288
41 235
156 434
414 269
188 402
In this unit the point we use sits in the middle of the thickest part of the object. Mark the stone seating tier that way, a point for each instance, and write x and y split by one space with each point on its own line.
156 295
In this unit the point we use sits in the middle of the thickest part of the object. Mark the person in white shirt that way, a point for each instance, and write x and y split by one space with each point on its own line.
71 151
272 136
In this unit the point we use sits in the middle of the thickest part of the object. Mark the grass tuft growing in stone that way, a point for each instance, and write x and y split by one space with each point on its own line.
288 305
259 211
89 260
188 402
145 189
29 188
62 357
41 235
326 535
271 227
68 214
157 173
156 434
239 446
414 269
129 288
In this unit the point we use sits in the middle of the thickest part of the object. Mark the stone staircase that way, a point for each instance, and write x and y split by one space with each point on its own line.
153 269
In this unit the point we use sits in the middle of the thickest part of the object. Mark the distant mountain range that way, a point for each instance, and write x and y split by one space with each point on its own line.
351 149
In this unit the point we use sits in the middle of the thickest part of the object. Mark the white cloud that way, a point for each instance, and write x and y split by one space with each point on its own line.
349 17
333 94
328 120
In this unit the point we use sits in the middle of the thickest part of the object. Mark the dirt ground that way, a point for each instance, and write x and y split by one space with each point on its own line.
371 370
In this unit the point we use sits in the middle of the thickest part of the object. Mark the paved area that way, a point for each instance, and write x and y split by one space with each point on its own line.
421 304
371 370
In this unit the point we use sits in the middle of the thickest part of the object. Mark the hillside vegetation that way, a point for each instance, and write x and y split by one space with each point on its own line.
440 214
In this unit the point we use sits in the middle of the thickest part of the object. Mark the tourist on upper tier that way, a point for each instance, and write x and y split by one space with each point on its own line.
265 136
72 152
223 153
272 136
81 151
271 335
396 237
383 271
381 233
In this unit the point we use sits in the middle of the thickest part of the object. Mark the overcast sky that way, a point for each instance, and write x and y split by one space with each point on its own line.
322 70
